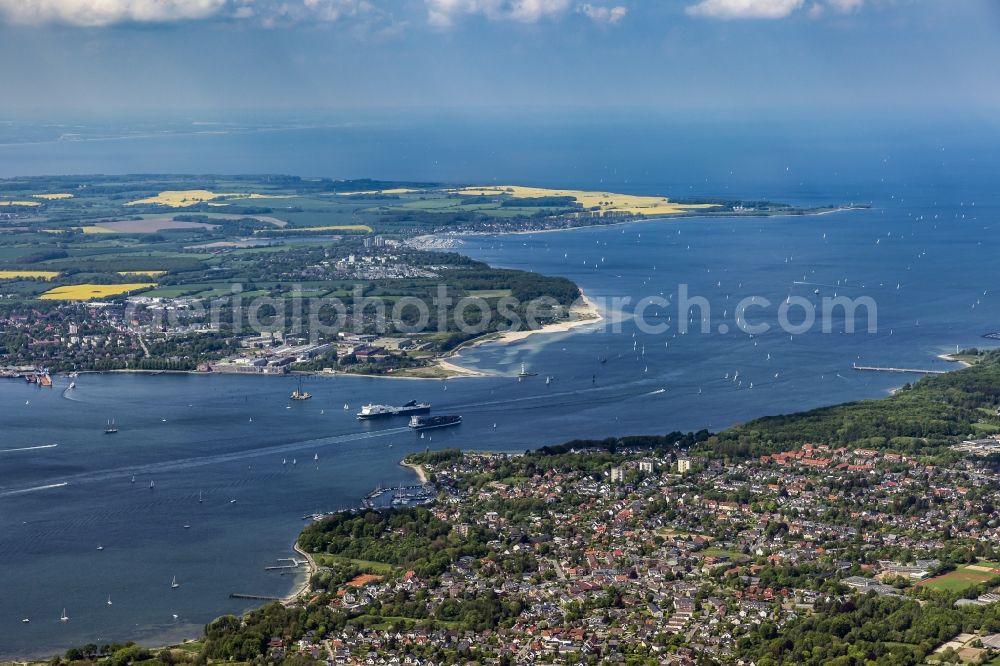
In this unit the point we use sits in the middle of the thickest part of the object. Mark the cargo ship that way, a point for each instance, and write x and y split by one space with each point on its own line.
384 411
427 422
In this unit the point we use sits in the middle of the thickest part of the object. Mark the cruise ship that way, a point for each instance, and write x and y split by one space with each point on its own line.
384 411
427 422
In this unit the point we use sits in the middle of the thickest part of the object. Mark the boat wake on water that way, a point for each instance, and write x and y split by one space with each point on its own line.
30 448
201 461
22 491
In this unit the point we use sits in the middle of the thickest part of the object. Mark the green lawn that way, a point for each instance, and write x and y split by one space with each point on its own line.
713 551
325 560
962 578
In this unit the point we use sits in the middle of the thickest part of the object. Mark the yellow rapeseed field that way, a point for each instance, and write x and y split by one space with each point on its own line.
13 275
54 196
86 292
94 229
600 202
180 198
185 198
11 202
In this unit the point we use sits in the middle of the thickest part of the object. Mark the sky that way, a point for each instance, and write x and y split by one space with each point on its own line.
746 59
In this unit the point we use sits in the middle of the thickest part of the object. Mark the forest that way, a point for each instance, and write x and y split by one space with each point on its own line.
922 418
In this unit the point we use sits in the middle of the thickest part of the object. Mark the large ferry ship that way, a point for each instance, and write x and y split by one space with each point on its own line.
427 422
384 411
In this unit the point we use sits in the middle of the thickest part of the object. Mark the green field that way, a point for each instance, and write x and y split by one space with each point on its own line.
963 578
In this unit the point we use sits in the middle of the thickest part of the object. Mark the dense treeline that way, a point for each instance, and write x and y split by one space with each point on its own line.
409 537
867 630
922 418
243 639
673 440
434 457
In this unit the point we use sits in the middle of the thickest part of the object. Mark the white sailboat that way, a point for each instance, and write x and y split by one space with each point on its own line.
174 584
109 599
199 497
64 617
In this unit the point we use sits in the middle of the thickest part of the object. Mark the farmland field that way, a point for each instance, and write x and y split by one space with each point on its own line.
14 275
86 292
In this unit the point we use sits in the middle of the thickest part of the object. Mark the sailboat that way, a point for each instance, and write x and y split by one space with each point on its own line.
133 478
100 548
109 599
299 394
199 497
152 484
316 457
524 372
174 584
112 427
548 380
64 617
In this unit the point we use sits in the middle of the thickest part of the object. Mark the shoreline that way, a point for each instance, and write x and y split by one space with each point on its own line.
417 469
580 314
300 593
587 313
951 359
454 236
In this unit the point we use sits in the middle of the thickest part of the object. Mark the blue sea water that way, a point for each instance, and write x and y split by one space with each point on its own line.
924 253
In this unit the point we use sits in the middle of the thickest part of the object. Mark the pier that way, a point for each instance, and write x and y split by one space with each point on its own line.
915 371
253 597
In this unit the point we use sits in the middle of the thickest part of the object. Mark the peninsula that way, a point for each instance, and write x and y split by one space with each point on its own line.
161 273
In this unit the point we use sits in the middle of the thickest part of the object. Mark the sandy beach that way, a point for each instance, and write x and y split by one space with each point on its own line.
951 359
300 593
581 314
418 469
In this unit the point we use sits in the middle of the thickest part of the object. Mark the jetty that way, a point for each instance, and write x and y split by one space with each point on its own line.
292 563
915 371
253 597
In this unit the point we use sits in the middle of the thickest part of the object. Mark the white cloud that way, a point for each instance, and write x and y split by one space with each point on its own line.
104 12
608 15
443 13
846 6
745 9
334 10
92 13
